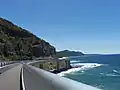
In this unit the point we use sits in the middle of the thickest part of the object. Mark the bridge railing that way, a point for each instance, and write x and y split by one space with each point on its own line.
56 82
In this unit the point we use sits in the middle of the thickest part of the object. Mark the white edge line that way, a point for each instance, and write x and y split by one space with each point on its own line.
23 84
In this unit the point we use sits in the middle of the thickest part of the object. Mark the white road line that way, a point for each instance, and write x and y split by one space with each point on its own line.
23 84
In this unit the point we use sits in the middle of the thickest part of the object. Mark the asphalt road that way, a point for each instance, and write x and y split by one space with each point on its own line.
36 79
10 79
7 67
32 81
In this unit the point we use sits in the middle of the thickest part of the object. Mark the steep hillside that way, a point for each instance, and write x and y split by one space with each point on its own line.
18 43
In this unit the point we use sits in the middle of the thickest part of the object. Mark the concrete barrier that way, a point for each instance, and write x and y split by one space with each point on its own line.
50 81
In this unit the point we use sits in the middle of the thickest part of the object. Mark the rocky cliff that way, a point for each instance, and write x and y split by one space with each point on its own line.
18 43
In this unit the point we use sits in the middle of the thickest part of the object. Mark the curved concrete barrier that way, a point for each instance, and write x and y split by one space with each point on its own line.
47 81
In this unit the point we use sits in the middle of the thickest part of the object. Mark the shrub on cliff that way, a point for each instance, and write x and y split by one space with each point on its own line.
18 43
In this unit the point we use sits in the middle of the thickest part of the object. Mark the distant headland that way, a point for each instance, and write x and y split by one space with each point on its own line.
67 53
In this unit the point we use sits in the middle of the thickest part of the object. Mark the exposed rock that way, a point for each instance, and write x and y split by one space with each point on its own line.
18 43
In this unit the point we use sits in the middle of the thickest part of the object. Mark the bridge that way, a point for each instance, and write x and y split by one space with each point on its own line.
23 76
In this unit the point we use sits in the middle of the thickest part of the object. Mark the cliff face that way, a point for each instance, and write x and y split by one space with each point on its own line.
18 43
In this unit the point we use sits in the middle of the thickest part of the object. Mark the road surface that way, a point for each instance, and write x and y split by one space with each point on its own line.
32 81
7 67
10 80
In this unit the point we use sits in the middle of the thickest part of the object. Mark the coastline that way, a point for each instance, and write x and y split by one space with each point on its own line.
75 66
63 58
56 71
79 67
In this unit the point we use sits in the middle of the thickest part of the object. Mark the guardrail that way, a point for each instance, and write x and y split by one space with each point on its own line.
3 63
4 66
55 82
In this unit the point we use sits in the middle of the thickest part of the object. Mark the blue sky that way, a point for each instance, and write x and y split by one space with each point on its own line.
91 26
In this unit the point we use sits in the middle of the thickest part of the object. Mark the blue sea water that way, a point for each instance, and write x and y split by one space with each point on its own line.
106 77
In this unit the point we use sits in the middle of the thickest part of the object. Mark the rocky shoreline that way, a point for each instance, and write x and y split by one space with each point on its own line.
60 70
54 65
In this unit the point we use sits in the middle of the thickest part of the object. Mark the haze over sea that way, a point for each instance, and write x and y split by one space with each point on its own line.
101 71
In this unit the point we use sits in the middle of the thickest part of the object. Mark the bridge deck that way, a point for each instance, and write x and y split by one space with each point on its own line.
10 80
37 79
32 81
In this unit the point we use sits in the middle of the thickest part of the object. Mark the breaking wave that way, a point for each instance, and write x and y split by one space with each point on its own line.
80 67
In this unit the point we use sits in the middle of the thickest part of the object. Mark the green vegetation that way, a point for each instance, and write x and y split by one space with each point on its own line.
17 43
48 65
67 53
53 64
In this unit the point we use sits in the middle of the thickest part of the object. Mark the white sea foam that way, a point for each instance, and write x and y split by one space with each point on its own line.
63 58
115 71
111 75
84 66
74 61
102 73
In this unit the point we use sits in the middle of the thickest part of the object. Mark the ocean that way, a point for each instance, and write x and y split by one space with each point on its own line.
101 71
